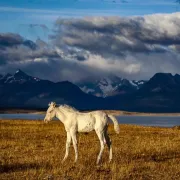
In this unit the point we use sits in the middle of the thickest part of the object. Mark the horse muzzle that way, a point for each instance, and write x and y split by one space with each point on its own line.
45 121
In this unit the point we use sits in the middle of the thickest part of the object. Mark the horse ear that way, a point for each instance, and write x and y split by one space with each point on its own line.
51 103
54 104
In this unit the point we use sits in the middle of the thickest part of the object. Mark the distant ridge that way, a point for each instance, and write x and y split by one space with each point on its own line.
22 91
160 94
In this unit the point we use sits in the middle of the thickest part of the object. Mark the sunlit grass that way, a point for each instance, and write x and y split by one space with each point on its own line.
34 150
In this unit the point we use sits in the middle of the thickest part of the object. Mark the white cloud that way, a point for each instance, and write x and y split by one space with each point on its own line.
133 48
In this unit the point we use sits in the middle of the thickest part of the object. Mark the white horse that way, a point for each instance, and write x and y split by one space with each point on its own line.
75 121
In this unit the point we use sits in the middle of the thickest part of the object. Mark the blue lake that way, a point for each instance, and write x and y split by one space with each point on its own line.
161 121
23 116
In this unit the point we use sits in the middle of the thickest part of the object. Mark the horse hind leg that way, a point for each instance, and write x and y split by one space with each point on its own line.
101 139
109 144
68 143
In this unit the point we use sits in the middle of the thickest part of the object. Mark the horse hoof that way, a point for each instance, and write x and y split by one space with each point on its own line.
62 161
97 162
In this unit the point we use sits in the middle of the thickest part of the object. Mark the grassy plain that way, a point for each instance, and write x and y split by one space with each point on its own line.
34 150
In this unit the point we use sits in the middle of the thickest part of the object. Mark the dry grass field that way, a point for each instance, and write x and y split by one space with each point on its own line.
34 150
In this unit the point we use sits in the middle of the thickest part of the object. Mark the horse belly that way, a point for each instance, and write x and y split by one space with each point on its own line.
85 124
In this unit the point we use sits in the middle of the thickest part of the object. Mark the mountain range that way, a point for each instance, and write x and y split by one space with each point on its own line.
23 91
110 86
159 94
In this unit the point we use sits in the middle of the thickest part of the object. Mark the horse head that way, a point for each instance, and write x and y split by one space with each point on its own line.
50 112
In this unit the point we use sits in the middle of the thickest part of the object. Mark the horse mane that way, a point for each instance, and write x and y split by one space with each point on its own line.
68 108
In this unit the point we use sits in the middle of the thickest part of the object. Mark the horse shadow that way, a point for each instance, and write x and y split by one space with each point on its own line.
18 167
158 158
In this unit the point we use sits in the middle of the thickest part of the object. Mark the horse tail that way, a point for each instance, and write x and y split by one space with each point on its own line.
116 125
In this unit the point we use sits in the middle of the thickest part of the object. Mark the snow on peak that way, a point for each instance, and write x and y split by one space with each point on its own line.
18 77
19 72
132 83
141 82
87 90
110 85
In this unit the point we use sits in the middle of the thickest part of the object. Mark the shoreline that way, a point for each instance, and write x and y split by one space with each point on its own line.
126 113
113 112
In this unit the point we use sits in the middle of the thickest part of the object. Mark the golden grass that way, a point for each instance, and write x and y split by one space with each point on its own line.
34 150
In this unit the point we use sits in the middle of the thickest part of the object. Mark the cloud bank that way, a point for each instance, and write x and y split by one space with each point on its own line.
130 47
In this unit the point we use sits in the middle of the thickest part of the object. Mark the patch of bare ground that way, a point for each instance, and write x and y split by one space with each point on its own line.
34 150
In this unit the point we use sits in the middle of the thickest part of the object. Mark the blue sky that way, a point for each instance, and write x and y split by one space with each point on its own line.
19 16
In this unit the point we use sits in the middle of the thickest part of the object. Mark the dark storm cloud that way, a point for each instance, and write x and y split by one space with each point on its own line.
14 48
43 53
130 47
116 36
10 40
40 59
133 47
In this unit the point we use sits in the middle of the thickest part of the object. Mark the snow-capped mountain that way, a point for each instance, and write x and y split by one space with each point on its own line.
110 86
19 90
18 77
160 94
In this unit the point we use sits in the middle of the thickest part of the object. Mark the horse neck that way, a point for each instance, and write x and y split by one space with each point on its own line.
60 115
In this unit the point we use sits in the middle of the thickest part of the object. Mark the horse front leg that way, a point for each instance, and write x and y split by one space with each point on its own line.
68 143
74 140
